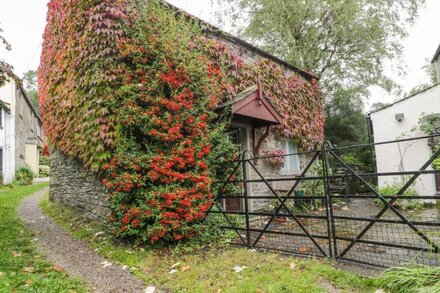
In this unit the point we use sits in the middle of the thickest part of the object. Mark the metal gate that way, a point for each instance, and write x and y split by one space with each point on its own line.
330 207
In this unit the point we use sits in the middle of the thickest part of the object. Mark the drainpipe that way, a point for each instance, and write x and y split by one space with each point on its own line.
371 140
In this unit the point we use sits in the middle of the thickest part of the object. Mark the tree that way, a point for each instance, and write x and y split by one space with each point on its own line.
431 75
345 123
5 68
345 43
31 86
378 106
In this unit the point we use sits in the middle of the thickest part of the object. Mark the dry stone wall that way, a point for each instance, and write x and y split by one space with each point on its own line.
73 185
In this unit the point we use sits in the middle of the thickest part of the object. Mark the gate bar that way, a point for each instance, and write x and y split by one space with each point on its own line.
388 204
328 203
282 203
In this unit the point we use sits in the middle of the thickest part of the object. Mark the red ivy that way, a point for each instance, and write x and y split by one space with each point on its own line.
131 89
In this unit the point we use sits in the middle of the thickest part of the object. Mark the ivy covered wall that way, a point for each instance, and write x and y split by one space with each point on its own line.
129 88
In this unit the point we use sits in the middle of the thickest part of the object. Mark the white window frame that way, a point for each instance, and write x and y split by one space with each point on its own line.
288 159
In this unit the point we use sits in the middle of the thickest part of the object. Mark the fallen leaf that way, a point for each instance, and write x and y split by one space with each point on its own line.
28 269
184 269
58 268
145 269
29 282
380 291
292 265
124 268
175 265
173 271
99 233
2 274
304 249
239 269
16 254
106 264
150 289
345 208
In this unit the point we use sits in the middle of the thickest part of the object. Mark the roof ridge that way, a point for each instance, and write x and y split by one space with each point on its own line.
405 98
216 30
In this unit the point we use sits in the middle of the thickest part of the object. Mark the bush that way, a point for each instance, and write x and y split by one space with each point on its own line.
406 204
44 161
44 171
24 176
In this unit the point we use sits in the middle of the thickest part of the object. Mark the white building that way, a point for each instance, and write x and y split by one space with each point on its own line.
7 144
436 62
401 120
20 131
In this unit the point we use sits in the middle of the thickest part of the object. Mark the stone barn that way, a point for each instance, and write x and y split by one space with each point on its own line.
277 110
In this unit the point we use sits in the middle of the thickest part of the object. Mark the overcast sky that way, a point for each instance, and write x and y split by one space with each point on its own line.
23 23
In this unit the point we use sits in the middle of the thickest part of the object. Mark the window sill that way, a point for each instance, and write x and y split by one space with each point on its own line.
290 173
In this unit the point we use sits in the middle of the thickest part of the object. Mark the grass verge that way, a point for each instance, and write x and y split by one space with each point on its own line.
211 269
411 279
22 269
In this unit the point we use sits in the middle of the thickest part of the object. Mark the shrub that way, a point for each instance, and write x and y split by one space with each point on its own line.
210 233
406 204
275 158
45 161
44 171
24 176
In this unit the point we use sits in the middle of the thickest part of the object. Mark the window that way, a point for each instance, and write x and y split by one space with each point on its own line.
291 163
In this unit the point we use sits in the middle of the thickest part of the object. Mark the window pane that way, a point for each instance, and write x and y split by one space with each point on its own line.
293 160
283 145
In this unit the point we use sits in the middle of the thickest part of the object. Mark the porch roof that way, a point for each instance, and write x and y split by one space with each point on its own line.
5 106
251 105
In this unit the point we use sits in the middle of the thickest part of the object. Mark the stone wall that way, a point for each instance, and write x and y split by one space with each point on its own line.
73 185
272 142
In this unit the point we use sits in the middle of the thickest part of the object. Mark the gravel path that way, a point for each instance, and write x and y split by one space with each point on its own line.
75 256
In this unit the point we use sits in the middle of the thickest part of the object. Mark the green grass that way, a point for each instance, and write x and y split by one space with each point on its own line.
210 269
22 269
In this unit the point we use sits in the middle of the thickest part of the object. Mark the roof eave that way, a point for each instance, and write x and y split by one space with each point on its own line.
404 99
436 55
